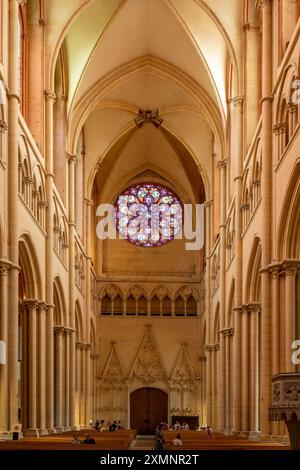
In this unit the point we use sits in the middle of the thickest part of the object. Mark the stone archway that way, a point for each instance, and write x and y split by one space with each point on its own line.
148 408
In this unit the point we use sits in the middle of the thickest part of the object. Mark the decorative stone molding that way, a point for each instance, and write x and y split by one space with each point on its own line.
71 158
228 331
222 164
254 307
148 116
50 95
5 265
183 372
148 366
286 404
3 126
238 101
59 330
212 347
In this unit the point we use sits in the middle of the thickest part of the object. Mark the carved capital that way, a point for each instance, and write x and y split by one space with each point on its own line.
71 158
50 95
208 204
89 202
238 101
59 330
222 164
3 126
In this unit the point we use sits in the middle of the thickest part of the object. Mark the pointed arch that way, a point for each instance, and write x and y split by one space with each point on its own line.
78 321
59 302
252 286
30 269
289 226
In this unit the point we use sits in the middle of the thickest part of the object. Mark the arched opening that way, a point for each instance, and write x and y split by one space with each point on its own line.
148 408
30 294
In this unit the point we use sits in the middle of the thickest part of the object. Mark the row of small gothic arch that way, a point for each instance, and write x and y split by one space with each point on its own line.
183 304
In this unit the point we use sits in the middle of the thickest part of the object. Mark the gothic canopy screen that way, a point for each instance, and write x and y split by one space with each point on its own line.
148 214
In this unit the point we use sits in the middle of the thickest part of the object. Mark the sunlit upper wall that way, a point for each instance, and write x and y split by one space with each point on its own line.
140 28
83 36
209 35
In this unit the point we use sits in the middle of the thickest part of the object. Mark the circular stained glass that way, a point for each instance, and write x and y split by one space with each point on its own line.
148 214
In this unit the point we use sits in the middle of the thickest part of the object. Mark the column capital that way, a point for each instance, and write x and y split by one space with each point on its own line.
89 202
59 330
5 266
222 164
208 204
50 95
3 126
30 303
291 107
238 101
43 306
228 331
69 330
291 267
262 3
71 158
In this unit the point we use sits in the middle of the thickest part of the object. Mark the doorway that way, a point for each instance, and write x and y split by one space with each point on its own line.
148 408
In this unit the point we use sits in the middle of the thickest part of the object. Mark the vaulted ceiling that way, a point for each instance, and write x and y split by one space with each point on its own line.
170 55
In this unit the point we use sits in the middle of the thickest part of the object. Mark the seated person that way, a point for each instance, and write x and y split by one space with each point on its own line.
177 441
97 425
76 439
119 426
102 425
185 426
177 425
113 427
88 439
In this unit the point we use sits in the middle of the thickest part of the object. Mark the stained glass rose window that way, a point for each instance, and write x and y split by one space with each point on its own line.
148 214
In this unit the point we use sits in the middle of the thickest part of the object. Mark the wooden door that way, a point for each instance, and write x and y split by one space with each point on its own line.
148 408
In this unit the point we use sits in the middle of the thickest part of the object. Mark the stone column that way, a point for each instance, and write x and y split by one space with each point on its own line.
275 270
72 420
208 209
266 187
31 307
254 367
4 426
72 160
290 314
68 333
238 104
207 350
87 386
59 331
42 366
50 98
221 379
13 232
82 385
88 235
78 386
245 370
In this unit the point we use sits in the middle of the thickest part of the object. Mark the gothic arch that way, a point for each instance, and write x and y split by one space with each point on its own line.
230 304
289 225
252 287
59 302
30 268
78 321
216 324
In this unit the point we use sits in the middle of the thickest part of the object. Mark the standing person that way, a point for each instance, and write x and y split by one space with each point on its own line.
210 433
159 438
